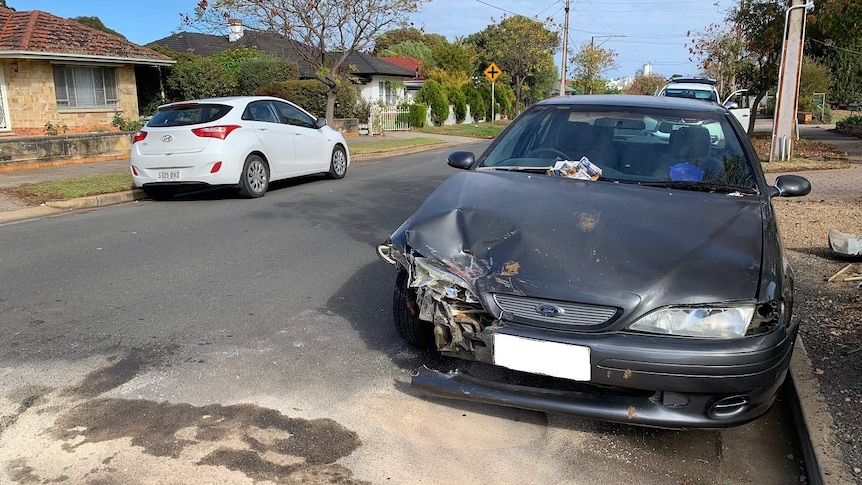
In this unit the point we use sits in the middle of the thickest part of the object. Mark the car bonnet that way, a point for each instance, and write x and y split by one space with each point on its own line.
576 240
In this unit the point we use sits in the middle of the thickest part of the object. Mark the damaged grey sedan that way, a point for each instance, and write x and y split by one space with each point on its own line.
613 257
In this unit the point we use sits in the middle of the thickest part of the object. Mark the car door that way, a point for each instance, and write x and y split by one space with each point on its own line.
312 146
276 138
742 112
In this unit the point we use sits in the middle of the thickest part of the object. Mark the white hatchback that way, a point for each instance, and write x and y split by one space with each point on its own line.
704 89
244 142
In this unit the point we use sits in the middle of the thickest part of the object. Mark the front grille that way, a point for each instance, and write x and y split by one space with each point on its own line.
570 314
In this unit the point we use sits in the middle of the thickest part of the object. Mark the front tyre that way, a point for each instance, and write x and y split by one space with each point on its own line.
416 332
255 177
338 164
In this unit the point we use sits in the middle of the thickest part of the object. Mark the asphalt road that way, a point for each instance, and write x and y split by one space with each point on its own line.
212 339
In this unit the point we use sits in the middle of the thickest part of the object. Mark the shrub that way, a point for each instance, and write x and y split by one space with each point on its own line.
310 94
125 124
200 77
432 94
418 113
853 120
474 99
459 103
256 73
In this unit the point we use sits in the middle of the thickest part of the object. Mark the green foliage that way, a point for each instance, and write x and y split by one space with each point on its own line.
814 78
853 120
310 94
418 113
454 58
458 101
126 124
231 60
411 49
172 53
253 74
474 99
521 47
200 77
394 37
433 95
95 23
588 65
505 98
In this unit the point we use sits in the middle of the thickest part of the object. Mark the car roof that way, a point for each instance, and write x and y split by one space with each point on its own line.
693 80
634 101
224 100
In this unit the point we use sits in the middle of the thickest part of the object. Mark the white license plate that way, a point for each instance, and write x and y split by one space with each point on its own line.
168 175
542 357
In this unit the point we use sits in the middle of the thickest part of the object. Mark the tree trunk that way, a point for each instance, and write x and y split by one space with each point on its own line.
331 97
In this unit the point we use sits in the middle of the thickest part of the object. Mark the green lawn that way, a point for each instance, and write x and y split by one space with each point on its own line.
475 130
382 145
75 187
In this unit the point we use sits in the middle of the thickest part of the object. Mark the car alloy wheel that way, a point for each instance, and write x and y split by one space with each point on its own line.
255 177
338 165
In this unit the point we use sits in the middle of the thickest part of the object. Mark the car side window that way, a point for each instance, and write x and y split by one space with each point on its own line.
294 116
260 111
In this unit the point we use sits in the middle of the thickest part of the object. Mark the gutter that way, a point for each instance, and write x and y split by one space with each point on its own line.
62 57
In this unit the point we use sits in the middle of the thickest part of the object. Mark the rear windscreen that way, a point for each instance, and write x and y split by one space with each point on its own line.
193 114
691 94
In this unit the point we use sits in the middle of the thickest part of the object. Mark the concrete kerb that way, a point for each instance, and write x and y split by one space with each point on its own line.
822 456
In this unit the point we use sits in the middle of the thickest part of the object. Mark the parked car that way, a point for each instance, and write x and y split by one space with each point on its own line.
602 270
244 142
853 107
738 103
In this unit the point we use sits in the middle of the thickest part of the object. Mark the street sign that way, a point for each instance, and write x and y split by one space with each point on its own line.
816 101
493 72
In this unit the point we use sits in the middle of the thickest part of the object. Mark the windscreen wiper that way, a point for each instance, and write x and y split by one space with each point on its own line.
701 186
515 168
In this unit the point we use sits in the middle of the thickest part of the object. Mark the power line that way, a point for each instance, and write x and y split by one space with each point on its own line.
836 47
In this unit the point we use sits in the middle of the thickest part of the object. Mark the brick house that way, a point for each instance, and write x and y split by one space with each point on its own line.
54 70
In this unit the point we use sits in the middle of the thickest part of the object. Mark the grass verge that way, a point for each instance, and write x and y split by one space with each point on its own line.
72 188
474 130
382 146
808 155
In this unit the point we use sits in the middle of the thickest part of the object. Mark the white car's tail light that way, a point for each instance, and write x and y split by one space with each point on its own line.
139 136
134 170
216 167
220 132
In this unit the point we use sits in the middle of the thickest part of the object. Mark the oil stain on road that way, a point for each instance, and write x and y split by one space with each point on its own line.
84 429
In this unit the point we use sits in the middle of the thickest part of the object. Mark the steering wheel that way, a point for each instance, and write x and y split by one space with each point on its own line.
553 151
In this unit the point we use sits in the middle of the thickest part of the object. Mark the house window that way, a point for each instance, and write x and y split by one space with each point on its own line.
387 94
85 87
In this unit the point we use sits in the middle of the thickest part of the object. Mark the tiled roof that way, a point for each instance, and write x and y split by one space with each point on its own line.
406 62
361 64
38 32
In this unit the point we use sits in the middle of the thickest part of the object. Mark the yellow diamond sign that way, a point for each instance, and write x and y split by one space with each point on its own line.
493 72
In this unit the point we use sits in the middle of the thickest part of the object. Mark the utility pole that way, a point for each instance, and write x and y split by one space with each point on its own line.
565 53
787 96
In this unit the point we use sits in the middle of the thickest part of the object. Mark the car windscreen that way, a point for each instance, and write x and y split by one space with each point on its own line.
188 114
690 93
629 144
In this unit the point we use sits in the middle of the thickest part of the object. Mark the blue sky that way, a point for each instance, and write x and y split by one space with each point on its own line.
644 30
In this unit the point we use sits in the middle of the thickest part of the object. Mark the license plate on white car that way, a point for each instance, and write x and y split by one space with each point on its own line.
168 175
542 357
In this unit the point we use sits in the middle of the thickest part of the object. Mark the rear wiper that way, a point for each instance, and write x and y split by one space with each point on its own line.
701 186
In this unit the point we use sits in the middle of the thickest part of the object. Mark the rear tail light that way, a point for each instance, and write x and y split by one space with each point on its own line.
220 132
216 167
134 170
139 136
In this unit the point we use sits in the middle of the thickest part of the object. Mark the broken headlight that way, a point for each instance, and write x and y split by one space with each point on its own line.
720 322
427 274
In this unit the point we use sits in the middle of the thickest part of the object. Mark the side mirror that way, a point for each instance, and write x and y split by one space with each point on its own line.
731 105
791 186
461 159
320 123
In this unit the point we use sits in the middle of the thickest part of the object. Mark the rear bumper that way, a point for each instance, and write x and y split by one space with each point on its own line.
193 168
642 380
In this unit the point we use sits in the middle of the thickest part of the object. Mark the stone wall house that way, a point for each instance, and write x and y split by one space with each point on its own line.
57 74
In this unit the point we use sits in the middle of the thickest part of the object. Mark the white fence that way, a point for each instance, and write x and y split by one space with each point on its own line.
391 120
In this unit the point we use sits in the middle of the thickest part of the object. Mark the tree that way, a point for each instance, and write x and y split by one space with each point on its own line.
393 37
814 78
646 84
92 22
200 77
324 33
588 64
433 95
3 4
453 58
409 48
835 40
721 52
519 46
